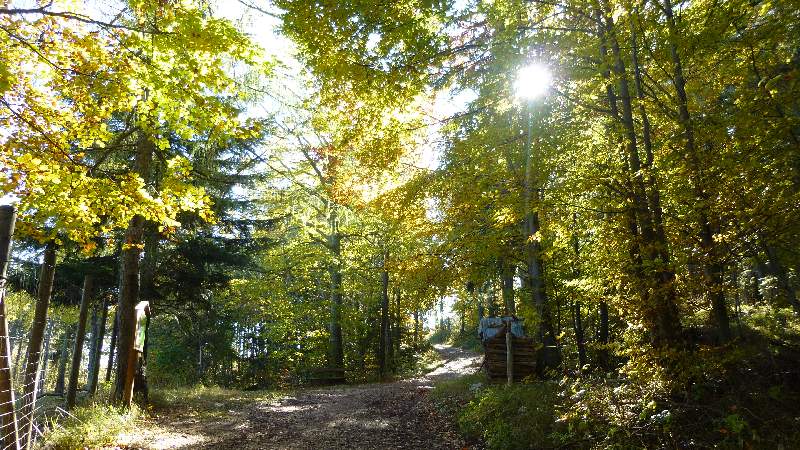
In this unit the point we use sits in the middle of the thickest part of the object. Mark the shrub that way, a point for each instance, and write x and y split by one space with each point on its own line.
516 417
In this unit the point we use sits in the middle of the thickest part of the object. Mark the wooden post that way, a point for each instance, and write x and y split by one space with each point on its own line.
7 412
509 354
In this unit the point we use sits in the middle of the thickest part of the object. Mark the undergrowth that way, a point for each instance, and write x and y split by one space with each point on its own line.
96 424
93 426
745 394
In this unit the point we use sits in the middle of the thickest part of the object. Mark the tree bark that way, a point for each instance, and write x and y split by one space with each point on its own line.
112 346
62 361
576 309
92 337
551 356
712 267
80 335
385 339
602 337
129 287
48 335
398 330
35 343
776 267
336 342
657 305
10 438
508 287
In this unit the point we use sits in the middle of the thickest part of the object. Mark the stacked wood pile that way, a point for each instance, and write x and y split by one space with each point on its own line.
524 352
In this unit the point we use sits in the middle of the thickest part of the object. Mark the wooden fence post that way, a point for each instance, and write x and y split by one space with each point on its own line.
7 412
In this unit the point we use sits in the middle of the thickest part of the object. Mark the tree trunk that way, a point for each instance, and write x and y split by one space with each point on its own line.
602 337
576 308
336 355
92 333
776 267
336 343
658 306
63 357
508 287
113 346
8 430
712 267
398 329
385 338
35 343
129 287
533 255
416 328
45 356
80 335
97 348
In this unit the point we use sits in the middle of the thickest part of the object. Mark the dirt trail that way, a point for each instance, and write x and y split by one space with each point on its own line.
393 415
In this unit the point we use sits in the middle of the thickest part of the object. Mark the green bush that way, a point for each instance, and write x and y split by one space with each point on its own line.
516 417
522 416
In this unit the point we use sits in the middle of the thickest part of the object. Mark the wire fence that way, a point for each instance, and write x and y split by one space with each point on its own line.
49 373
38 351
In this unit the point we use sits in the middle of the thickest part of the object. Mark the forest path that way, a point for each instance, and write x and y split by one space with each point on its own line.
393 415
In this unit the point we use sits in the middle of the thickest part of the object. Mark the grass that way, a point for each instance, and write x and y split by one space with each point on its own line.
92 426
206 401
100 425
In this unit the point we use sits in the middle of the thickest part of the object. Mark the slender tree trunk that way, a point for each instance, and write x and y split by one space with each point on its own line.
336 341
63 357
80 335
602 337
576 308
8 430
416 328
477 295
45 356
129 287
578 326
653 193
385 339
508 287
113 346
97 348
712 267
776 267
658 305
398 329
92 336
551 356
35 343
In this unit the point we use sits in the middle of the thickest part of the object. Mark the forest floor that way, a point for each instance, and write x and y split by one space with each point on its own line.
396 414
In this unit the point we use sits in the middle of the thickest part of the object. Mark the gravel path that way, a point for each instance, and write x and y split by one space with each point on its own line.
393 415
